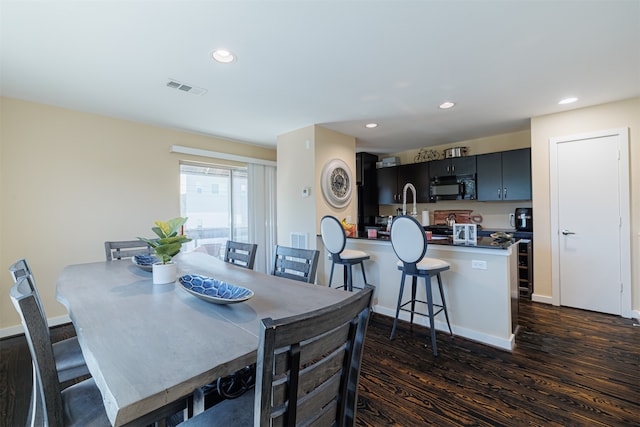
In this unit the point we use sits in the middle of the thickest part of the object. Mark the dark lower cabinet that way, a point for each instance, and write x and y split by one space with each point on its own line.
504 176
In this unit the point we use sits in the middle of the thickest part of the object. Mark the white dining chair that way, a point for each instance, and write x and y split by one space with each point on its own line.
334 239
409 242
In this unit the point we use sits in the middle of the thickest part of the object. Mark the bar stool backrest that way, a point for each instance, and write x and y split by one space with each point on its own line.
408 239
333 235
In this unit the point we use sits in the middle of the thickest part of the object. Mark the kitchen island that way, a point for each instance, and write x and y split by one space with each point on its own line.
481 288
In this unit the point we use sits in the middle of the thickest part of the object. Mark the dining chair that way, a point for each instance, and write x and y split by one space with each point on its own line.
335 240
125 249
69 361
295 263
307 371
409 242
242 254
77 405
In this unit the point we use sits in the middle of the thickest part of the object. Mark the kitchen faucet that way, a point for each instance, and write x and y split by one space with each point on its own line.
404 200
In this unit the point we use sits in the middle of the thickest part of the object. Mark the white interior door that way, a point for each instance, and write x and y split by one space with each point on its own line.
588 192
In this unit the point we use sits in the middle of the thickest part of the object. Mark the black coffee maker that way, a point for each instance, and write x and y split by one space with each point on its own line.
524 219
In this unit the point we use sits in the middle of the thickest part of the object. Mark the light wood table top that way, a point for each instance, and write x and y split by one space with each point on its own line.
149 345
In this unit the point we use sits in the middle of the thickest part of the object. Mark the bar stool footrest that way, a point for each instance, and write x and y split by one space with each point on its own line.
435 312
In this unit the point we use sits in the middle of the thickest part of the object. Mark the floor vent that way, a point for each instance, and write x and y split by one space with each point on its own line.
298 240
194 90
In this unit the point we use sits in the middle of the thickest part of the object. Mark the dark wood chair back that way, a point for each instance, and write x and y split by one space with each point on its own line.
295 263
125 249
46 384
242 254
309 365
21 269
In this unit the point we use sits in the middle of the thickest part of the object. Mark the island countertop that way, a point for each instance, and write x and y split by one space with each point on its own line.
483 242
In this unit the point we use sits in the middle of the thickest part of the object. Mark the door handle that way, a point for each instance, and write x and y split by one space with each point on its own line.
566 232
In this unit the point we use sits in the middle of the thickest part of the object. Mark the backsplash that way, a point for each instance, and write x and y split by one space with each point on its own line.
494 214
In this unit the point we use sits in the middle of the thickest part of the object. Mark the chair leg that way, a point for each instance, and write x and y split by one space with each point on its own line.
333 264
364 276
395 321
414 285
345 277
434 346
444 304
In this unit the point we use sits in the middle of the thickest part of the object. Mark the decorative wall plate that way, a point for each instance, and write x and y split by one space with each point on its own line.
337 183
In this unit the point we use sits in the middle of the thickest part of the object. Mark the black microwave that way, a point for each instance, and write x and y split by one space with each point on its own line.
454 187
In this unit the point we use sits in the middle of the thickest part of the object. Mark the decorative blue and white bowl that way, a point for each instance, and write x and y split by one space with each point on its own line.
145 262
214 290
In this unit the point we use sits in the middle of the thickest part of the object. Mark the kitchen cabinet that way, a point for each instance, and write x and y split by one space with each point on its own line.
453 166
367 188
504 176
391 182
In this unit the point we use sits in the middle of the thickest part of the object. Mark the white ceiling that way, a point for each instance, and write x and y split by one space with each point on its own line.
339 64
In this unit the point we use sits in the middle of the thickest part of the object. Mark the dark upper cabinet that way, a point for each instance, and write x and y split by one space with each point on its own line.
387 185
366 169
367 186
453 166
391 182
504 176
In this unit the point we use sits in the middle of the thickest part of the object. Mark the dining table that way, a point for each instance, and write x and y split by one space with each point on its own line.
148 346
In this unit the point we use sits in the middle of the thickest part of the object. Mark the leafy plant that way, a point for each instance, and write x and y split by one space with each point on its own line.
169 242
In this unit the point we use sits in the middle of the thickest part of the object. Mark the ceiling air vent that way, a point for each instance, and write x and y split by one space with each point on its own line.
194 90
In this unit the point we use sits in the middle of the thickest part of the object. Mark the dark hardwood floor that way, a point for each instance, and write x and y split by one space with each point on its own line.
570 368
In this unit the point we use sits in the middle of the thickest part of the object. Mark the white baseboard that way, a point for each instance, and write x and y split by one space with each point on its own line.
541 298
18 330
11 331
501 343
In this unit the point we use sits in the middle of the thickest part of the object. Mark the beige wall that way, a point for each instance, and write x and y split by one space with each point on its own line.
296 170
301 156
334 145
490 144
71 180
622 114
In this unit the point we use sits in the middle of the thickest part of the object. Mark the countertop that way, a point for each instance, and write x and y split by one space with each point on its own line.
483 242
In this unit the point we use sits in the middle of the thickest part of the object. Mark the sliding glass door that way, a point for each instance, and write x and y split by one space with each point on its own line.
214 198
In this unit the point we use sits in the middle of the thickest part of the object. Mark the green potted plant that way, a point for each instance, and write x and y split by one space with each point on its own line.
166 246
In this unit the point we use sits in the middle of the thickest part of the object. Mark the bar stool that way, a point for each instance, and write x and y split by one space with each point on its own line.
409 242
335 239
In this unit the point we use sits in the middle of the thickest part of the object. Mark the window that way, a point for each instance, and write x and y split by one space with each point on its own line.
214 198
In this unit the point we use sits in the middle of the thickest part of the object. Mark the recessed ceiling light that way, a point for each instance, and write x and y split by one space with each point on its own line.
447 104
371 125
223 55
568 101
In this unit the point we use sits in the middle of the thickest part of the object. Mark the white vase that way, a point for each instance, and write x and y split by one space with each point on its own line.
164 273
